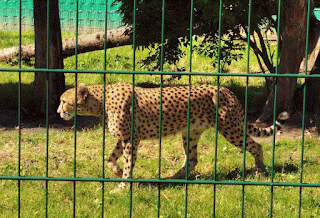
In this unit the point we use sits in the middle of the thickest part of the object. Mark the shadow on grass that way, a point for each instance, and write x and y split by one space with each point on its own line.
234 175
9 95
9 102
286 168
9 121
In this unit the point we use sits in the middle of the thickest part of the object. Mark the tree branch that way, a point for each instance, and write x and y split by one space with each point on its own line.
264 53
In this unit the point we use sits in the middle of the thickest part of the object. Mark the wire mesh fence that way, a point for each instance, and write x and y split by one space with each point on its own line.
63 173
91 15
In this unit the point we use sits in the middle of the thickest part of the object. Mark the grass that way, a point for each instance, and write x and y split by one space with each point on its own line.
145 195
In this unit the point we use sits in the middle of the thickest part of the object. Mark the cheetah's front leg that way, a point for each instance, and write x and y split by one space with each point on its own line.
129 160
115 155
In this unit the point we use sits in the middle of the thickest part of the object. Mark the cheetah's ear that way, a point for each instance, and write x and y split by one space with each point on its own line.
82 93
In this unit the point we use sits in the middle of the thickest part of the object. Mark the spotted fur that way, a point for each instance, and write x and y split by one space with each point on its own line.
203 98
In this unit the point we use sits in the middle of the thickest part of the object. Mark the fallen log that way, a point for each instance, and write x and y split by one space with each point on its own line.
86 43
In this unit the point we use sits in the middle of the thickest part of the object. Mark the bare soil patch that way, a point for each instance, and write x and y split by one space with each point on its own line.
9 121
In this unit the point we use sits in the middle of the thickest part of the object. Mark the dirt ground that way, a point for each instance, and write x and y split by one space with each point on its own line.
9 121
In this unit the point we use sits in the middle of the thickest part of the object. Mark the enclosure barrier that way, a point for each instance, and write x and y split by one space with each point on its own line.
243 183
91 15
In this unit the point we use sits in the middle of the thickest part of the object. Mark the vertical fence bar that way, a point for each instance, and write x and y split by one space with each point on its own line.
160 109
188 110
132 102
217 110
19 111
104 109
246 110
47 107
103 143
75 149
304 106
19 143
132 141
275 108
75 113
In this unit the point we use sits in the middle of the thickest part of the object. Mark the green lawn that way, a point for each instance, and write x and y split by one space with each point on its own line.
145 195
89 156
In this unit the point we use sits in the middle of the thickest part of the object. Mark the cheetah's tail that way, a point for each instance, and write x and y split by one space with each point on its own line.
268 131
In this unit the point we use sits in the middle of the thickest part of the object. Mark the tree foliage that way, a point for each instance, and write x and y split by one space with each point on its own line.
205 22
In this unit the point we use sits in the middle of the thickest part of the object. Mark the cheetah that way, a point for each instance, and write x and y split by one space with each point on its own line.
146 111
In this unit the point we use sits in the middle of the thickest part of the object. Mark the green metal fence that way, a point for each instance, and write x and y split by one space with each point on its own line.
91 15
137 201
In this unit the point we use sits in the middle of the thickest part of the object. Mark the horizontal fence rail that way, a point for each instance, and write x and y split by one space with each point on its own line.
136 72
171 181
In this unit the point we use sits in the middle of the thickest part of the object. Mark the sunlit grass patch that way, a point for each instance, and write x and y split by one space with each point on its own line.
89 162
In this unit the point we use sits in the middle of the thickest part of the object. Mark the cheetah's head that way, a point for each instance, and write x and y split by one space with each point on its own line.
67 102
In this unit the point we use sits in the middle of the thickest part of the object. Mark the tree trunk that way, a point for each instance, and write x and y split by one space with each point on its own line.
312 91
293 35
86 43
56 81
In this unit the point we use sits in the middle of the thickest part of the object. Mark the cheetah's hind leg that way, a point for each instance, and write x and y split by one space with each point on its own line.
194 137
254 148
